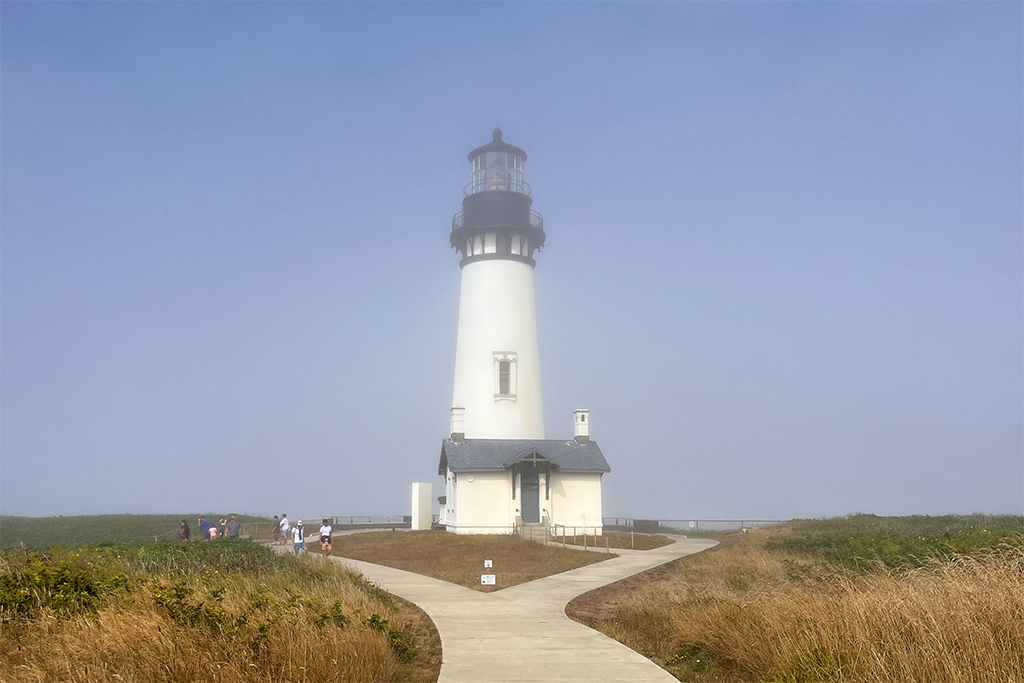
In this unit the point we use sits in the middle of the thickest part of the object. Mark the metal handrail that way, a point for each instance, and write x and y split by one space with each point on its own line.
536 221
670 523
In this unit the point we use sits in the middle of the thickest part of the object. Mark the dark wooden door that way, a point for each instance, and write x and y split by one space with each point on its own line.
529 483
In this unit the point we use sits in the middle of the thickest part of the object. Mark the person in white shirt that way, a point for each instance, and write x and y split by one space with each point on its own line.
284 526
298 537
326 540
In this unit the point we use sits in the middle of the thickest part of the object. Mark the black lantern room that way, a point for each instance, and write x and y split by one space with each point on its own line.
497 221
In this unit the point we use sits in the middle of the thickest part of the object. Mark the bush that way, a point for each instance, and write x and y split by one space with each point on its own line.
862 541
225 610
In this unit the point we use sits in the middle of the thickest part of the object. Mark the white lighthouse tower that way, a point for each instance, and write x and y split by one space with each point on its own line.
497 392
501 473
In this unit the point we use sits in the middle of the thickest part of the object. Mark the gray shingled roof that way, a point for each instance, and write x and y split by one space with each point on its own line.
477 455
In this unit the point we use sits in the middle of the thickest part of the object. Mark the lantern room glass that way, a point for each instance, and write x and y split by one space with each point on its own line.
497 171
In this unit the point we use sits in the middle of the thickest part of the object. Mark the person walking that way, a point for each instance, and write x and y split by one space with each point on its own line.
184 533
284 525
234 527
326 539
298 537
277 529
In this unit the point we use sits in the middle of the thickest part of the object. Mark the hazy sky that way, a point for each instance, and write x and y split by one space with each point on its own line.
783 267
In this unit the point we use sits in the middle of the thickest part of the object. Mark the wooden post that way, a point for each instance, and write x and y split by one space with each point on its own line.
631 544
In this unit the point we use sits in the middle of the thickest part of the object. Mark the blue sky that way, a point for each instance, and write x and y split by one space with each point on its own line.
783 267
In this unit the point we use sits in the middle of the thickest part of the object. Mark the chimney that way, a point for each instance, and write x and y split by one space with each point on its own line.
582 419
458 423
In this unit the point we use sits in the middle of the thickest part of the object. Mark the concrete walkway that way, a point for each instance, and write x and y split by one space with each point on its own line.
521 633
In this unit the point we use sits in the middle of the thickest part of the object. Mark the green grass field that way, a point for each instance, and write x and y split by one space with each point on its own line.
47 531
862 541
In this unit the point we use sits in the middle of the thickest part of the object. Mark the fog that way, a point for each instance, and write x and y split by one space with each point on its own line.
783 266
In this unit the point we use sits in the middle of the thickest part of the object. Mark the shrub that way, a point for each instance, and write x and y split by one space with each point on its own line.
223 610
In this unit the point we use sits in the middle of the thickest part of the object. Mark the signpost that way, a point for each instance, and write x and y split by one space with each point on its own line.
488 579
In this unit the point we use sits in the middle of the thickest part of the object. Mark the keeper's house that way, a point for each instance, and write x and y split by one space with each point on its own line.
495 485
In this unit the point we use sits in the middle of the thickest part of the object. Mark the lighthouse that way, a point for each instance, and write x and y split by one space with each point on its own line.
501 473
497 359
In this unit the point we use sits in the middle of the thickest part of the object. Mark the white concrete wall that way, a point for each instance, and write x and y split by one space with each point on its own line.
497 313
576 500
448 509
484 504
422 506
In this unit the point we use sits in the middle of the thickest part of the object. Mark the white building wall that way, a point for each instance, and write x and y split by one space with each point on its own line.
576 501
448 511
497 314
484 504
422 506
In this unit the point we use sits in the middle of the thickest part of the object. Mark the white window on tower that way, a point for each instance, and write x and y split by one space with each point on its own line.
504 376
517 247
478 244
504 371
490 246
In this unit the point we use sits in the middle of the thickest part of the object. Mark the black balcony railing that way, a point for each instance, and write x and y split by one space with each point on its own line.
536 221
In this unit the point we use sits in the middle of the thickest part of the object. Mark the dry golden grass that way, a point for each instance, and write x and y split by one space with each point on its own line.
739 613
459 558
616 539
304 620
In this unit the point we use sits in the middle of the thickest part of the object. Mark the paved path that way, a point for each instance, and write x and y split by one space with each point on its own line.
521 633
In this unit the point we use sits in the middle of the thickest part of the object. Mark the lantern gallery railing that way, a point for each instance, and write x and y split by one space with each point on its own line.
536 221
490 184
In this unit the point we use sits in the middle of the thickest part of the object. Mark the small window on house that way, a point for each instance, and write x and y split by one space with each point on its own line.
504 377
583 418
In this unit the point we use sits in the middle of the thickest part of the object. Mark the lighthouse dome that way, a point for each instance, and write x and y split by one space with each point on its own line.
497 145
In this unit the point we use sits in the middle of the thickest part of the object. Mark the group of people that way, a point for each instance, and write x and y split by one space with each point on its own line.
229 527
283 529
226 527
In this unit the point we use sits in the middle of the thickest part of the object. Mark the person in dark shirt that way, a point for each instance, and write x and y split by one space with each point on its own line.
204 526
184 533
234 527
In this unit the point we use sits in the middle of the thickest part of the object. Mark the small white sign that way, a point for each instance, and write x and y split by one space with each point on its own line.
692 524
488 564
487 580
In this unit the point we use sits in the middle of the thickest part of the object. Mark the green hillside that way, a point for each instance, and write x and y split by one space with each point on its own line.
47 531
